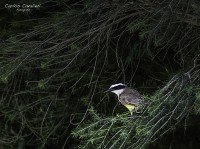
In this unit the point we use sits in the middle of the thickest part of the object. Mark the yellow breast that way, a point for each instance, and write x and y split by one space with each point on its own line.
130 107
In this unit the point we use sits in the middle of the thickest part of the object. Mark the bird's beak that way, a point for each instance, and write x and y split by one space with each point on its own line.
109 90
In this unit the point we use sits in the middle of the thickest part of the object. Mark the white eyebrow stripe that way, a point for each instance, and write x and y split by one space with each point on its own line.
114 85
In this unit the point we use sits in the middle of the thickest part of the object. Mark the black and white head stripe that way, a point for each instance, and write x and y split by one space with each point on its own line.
117 86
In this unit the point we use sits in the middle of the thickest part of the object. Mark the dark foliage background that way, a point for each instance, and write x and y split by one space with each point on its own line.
57 60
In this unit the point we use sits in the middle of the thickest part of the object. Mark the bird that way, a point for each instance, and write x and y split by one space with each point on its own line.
128 97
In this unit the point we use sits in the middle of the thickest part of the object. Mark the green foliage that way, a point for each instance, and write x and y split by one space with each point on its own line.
42 84
110 132
197 104
165 112
54 68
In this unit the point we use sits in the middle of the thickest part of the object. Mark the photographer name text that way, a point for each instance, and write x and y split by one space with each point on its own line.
22 7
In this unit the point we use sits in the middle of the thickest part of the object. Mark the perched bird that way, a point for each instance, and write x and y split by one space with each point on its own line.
128 97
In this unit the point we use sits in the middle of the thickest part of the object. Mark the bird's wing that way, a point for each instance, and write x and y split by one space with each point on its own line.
130 100
131 97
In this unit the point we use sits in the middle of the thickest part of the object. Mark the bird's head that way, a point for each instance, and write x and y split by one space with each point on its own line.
116 88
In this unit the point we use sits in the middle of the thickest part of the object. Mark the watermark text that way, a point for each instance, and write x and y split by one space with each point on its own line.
22 7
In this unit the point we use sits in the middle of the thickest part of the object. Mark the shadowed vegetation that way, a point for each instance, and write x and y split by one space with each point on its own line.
56 62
